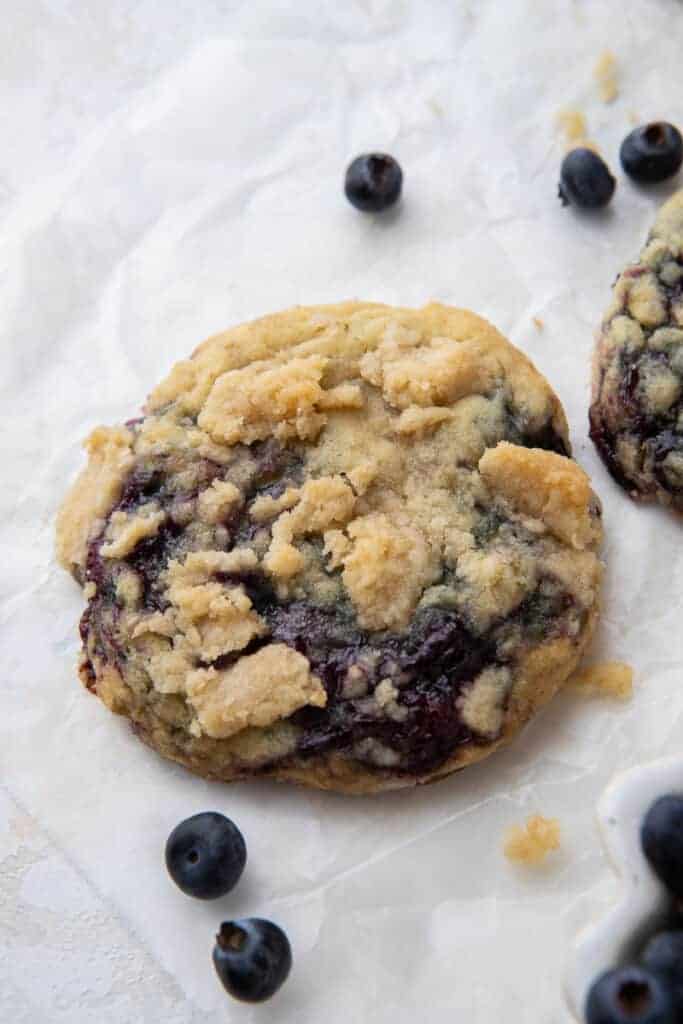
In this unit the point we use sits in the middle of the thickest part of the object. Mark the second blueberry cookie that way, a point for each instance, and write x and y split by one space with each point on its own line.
636 415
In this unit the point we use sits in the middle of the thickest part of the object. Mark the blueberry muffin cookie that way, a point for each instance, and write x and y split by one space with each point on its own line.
344 546
636 415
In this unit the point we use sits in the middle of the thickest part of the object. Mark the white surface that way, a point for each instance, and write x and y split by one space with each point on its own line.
168 169
643 900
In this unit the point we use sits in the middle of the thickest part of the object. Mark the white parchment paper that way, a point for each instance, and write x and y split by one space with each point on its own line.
168 169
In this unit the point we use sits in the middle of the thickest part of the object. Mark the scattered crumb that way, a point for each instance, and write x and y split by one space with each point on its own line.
436 107
572 124
531 843
538 323
605 74
609 679
633 117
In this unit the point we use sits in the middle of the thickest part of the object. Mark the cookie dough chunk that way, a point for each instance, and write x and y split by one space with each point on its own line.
344 546
636 415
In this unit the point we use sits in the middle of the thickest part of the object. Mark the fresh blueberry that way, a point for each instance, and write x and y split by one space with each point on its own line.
252 958
631 995
585 180
652 152
664 955
661 836
373 182
205 855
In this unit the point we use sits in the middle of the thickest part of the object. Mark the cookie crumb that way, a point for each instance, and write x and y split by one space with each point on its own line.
605 74
538 323
572 124
531 843
609 679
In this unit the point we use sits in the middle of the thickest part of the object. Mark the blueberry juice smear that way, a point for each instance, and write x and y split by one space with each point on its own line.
428 665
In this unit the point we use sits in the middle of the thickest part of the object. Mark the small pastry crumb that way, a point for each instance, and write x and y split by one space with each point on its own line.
572 124
605 74
538 323
531 843
609 679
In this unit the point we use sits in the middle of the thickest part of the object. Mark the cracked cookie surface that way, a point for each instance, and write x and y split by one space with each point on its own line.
344 545
636 415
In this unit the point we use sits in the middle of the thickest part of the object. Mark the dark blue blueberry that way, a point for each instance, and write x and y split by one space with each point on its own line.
661 836
373 182
606 443
631 995
664 954
585 180
252 958
667 471
652 152
205 855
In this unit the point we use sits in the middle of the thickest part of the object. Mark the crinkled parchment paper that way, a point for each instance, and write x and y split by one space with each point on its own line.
168 169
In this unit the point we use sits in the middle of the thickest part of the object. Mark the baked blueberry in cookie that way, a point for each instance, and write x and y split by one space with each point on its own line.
636 415
344 546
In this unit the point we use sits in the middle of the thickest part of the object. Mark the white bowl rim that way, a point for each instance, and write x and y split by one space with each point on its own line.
620 811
